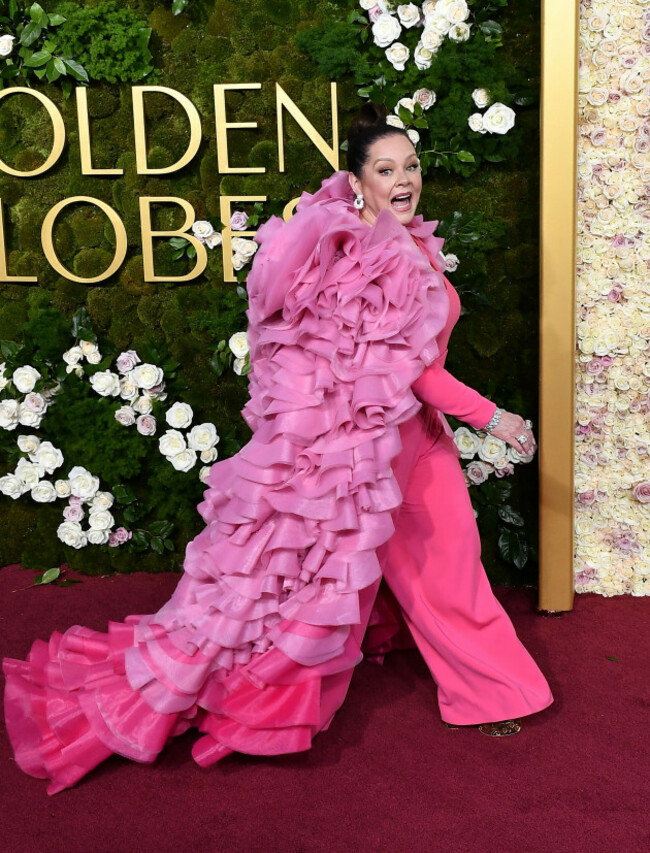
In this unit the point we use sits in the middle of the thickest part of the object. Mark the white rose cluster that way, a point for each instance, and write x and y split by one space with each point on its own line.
485 454
498 119
612 446
238 345
205 232
438 20
29 411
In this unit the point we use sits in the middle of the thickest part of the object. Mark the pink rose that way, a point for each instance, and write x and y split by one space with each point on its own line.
238 220
642 492
146 425
478 472
598 137
127 360
614 295
73 512
374 13
614 97
35 402
594 367
125 416
587 498
122 535
506 471
112 541
74 501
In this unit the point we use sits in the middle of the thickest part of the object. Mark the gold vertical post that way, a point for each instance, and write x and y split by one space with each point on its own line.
560 22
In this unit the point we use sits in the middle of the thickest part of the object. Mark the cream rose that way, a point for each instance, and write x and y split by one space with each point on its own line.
481 98
460 32
425 97
204 473
128 388
28 443
89 348
238 261
12 486
423 57
394 121
98 537
238 344
202 229
6 44
431 38
413 135
386 30
73 355
499 119
82 483
29 472
185 460
100 519
102 500
62 488
179 416
475 122
106 383
467 442
210 455
491 449
25 378
202 437
245 248
71 533
44 492
238 366
214 240
407 103
172 443
146 376
143 405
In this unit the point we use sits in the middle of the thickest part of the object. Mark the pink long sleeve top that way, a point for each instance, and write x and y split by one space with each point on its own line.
438 388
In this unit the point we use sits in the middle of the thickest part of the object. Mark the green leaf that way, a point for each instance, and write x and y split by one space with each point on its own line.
611 657
510 515
161 528
466 157
495 158
10 349
169 545
56 20
30 33
513 547
139 537
60 65
490 28
47 577
52 72
157 545
123 494
191 252
37 59
178 6
76 70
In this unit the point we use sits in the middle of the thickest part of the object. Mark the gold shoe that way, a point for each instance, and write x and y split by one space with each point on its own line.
500 729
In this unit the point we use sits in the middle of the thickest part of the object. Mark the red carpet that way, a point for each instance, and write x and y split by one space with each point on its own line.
387 776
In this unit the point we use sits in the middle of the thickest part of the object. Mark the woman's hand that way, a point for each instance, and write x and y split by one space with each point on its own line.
512 429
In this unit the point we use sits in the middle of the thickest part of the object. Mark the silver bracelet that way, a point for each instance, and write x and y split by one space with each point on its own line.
493 423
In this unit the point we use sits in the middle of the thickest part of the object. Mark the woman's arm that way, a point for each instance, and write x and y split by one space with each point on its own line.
438 388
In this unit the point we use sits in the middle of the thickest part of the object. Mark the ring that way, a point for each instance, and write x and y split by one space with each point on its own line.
522 439
528 424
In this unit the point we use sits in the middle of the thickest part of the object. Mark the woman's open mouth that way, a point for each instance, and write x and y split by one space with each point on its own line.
401 202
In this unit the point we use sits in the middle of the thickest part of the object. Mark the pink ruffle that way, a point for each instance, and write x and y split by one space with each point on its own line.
258 642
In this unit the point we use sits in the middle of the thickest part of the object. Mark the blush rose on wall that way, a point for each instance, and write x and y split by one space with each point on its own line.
612 473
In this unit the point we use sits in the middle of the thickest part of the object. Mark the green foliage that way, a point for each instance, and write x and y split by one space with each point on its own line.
109 40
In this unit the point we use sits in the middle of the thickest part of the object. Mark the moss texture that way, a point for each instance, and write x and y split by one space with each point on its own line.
218 41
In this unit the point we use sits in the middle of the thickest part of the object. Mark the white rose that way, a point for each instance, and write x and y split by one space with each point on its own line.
8 414
429 6
146 425
238 261
12 486
394 121
28 417
386 30
94 357
128 388
213 240
73 355
185 460
431 38
106 383
407 103
29 472
62 488
451 262
36 402
172 443
425 97
202 229
475 122
82 483
179 416
204 473
125 415
245 248
467 442
98 537
202 437
88 348
102 500
143 405
210 455
456 11
146 375
71 533
422 57
481 98
238 344
492 448
499 119
6 44
516 456
477 472
28 443
48 457
44 492
413 135
409 15
100 519
238 366
460 32
25 378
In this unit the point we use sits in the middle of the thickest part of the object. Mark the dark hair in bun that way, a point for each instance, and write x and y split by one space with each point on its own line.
367 127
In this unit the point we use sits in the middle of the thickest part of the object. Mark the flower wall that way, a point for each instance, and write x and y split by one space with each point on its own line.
612 473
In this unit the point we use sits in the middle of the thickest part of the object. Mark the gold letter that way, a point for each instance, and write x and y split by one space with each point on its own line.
5 278
84 136
289 208
222 128
57 124
148 235
224 204
140 135
48 245
330 154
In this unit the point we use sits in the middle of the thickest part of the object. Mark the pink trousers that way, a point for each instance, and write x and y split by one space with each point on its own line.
432 564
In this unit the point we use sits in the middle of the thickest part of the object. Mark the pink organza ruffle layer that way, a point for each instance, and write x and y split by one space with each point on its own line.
257 644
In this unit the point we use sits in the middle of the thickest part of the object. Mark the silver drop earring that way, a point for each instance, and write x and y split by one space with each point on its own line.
358 201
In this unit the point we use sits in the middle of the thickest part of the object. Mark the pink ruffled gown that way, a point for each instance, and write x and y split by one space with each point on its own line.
257 645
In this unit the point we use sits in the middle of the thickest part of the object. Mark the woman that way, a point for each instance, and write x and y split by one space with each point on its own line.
348 322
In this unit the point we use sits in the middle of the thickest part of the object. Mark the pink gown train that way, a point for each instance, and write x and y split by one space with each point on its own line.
348 478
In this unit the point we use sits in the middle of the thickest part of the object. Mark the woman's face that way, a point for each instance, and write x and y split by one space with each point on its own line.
391 179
